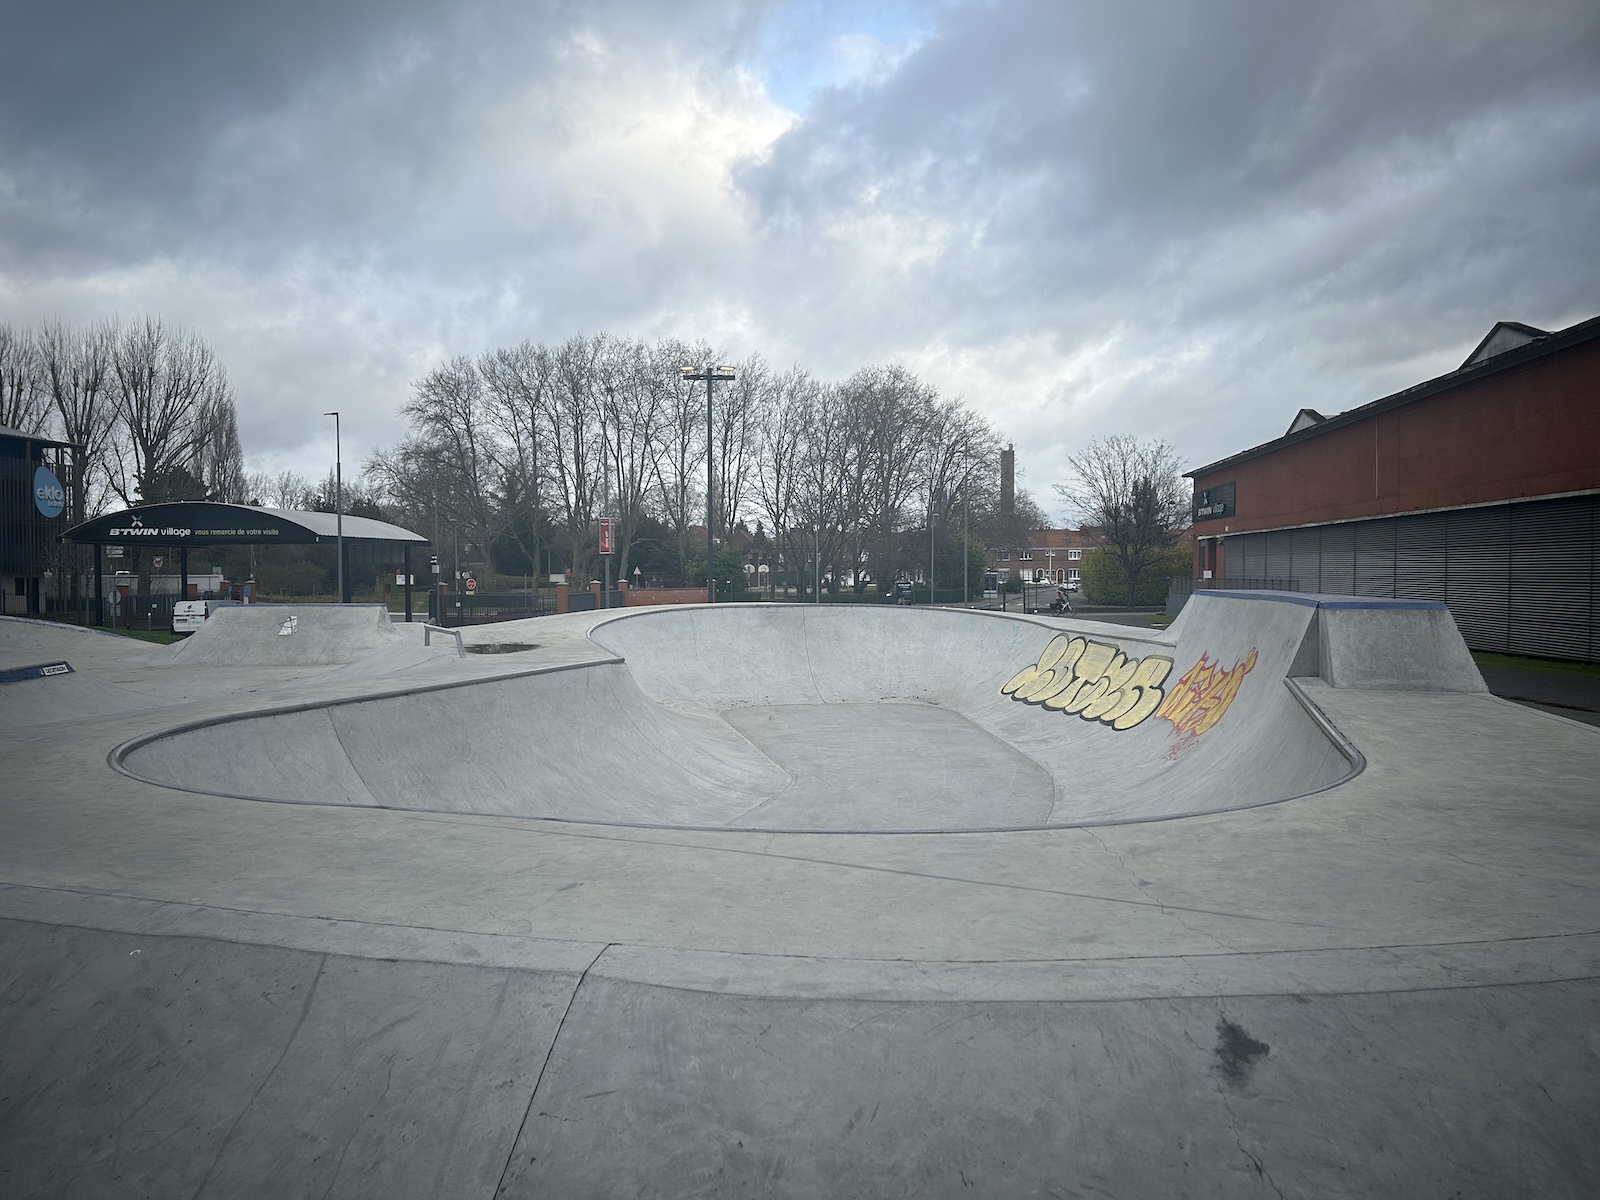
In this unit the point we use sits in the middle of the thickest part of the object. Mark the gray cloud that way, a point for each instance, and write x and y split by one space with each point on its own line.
1173 220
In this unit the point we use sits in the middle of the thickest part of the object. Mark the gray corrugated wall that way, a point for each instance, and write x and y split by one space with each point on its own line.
1519 578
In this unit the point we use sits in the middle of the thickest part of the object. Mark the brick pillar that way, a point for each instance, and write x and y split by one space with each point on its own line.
561 598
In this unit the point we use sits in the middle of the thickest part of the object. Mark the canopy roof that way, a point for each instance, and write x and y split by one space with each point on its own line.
197 523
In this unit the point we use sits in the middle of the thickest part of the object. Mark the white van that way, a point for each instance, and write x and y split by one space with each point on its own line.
189 615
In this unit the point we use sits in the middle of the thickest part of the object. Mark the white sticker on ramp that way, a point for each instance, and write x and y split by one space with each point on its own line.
290 624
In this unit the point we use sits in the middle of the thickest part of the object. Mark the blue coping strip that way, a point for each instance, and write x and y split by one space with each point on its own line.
37 671
1320 600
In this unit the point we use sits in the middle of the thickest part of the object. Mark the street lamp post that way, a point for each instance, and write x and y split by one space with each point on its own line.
966 554
710 374
816 554
338 496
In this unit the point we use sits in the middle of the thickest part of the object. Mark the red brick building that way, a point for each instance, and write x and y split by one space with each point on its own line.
1478 488
1046 554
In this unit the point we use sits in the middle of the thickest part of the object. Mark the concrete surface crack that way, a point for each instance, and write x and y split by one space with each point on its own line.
1165 909
539 1078
305 1009
1220 1086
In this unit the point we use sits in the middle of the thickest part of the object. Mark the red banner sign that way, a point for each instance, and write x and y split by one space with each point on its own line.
608 535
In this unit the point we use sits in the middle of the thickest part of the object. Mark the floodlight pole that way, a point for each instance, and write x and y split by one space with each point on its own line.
338 496
605 488
710 374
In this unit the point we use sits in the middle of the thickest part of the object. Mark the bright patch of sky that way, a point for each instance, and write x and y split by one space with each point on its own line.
811 45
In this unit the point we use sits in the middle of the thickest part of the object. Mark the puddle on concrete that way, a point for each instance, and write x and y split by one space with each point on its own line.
500 647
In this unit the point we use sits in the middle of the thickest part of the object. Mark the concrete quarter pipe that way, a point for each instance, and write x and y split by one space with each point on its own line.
839 720
766 900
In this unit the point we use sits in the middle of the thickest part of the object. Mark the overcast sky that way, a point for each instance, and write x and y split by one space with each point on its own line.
1174 220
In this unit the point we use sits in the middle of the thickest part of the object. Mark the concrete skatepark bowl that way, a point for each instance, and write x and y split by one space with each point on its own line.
776 900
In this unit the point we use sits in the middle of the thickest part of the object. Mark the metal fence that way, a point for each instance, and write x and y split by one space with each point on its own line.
485 608
1181 587
585 601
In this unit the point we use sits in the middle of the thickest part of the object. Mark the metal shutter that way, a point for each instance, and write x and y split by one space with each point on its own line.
1246 557
1420 555
1478 579
1279 559
1375 557
1594 580
1339 559
1305 550
1551 577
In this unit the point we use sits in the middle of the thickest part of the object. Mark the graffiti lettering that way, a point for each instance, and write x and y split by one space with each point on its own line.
1199 699
1091 680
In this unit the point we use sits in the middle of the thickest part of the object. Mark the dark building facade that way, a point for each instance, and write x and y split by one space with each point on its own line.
1478 488
32 514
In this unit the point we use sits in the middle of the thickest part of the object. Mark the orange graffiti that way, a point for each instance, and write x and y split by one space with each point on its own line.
1198 700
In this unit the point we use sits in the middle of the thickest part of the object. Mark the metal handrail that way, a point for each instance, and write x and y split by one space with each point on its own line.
429 630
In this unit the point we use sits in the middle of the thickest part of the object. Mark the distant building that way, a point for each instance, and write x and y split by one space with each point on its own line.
1478 488
33 511
1046 555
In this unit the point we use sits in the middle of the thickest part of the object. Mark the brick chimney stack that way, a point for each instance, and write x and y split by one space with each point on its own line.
1008 482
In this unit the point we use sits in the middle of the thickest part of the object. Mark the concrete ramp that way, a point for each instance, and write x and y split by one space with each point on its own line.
259 635
783 717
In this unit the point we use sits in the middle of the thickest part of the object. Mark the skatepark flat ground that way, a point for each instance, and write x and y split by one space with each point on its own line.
1389 986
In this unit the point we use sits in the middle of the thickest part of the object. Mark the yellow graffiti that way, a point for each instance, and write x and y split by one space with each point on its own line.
1091 680
1199 699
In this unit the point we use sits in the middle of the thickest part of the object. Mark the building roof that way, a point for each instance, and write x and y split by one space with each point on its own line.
202 523
7 432
1506 335
1058 539
1305 419
1507 346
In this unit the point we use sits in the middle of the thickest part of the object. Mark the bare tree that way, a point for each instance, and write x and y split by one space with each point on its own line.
680 468
286 489
24 399
168 385
220 457
776 482
571 413
1131 499
736 410
77 368
892 411
517 380
842 472
827 508
639 384
448 412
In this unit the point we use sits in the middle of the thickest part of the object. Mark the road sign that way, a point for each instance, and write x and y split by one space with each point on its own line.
472 584
608 535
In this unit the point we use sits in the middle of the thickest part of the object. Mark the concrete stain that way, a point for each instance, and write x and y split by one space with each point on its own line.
1237 1052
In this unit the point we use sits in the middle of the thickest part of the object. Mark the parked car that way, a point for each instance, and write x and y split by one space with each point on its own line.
189 615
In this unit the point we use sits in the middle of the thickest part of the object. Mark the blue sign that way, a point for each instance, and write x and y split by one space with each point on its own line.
49 497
